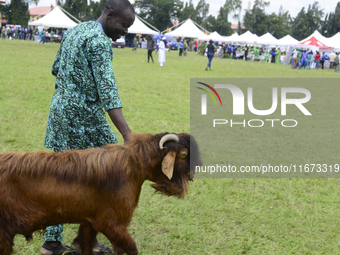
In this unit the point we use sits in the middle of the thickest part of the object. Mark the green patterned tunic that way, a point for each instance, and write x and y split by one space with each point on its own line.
85 85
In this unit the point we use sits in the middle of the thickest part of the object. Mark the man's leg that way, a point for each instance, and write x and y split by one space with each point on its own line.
53 237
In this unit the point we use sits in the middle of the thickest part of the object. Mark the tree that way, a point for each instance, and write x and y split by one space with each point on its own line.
255 19
307 22
331 24
223 26
188 10
96 9
202 10
279 25
77 8
159 13
230 7
16 12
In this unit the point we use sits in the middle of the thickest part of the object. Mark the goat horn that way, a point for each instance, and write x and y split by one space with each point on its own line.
168 137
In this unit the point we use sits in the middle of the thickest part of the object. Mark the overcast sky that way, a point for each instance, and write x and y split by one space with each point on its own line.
293 6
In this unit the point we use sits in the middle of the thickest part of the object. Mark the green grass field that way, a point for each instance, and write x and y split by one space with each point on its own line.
219 216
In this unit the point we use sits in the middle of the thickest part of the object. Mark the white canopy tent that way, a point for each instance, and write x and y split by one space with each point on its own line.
317 36
334 41
246 37
213 36
187 29
138 27
287 40
56 18
231 38
267 39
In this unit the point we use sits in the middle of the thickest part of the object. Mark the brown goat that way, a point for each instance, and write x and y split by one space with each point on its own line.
96 188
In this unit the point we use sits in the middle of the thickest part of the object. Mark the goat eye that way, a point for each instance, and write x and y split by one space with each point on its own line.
184 154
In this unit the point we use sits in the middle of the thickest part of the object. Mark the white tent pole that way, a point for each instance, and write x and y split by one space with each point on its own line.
147 23
70 14
174 26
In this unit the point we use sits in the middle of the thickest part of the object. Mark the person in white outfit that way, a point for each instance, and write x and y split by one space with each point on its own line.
161 52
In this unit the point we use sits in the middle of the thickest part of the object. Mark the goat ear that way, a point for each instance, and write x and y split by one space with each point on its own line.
168 164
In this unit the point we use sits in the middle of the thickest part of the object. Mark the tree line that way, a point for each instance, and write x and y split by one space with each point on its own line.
161 13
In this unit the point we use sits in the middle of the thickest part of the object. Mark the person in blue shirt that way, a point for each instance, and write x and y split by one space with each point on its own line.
272 53
323 59
234 51
180 46
229 51
304 59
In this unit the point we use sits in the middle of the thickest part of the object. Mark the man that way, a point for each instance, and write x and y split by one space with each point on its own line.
157 44
135 44
229 51
299 56
234 51
331 60
42 36
52 36
278 56
85 84
161 54
256 53
185 47
180 47
304 59
246 53
3 33
323 59
272 53
294 57
149 44
336 62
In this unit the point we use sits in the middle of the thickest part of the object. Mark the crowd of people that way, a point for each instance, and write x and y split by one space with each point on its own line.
25 33
305 59
299 58
18 32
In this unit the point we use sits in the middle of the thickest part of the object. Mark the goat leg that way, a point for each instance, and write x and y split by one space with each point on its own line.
6 241
86 238
119 237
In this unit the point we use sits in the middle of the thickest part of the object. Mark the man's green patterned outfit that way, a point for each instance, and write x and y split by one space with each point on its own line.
85 84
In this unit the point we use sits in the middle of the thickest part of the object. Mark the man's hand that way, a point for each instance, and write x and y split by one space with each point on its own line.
119 121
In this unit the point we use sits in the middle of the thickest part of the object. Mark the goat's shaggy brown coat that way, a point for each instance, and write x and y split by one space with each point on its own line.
97 188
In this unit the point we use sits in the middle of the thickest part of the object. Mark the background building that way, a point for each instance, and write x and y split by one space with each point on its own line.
38 12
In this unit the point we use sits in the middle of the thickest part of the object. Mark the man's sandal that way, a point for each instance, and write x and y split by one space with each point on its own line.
58 250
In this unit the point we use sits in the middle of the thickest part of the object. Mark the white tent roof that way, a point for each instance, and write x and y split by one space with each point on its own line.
56 18
231 38
318 36
287 40
267 39
247 37
334 41
138 27
187 29
213 36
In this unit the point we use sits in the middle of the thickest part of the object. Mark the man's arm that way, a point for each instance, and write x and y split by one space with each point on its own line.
119 121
